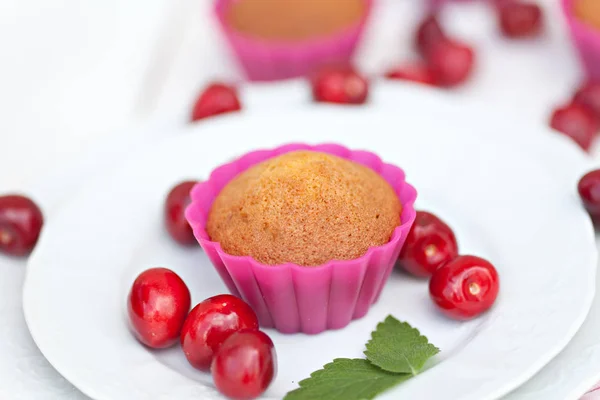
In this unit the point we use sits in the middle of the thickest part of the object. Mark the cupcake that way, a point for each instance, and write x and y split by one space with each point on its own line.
276 39
583 17
306 235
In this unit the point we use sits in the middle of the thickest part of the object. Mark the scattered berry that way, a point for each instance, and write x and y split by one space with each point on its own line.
429 32
589 96
174 214
520 19
157 305
343 86
451 62
216 99
21 221
245 365
429 245
210 323
577 122
415 72
465 287
589 191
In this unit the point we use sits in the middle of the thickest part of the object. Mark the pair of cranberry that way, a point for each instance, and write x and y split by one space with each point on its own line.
339 85
446 61
219 335
461 286
580 119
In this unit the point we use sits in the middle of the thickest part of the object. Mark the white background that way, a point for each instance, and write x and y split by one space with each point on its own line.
77 72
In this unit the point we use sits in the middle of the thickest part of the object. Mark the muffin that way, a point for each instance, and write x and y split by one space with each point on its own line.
276 39
307 235
306 208
583 18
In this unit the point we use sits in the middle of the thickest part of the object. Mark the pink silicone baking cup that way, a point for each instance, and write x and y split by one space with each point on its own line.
289 297
265 60
586 39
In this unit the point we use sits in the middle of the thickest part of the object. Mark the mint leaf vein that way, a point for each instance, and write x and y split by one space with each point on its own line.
398 347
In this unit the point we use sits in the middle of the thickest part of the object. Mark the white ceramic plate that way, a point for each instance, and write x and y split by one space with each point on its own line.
576 369
566 377
504 204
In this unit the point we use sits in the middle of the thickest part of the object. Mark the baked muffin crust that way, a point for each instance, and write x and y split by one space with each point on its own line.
304 207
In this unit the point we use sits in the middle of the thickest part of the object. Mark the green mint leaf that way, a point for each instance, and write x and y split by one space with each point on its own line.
346 379
398 347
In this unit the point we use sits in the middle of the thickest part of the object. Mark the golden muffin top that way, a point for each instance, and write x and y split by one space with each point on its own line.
304 207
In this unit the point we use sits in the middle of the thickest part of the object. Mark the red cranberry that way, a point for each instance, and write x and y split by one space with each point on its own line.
577 122
245 365
589 96
415 72
210 323
177 200
589 191
21 221
465 287
429 33
451 62
342 86
520 19
157 305
215 99
429 245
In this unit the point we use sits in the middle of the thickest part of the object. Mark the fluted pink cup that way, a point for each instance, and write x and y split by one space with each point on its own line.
293 298
267 60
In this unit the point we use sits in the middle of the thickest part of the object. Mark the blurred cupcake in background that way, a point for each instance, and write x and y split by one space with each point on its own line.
276 39
583 17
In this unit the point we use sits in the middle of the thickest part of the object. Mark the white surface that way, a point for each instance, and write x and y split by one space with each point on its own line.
67 64
96 246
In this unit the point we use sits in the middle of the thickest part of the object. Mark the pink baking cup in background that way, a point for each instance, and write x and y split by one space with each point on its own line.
267 60
289 297
586 40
